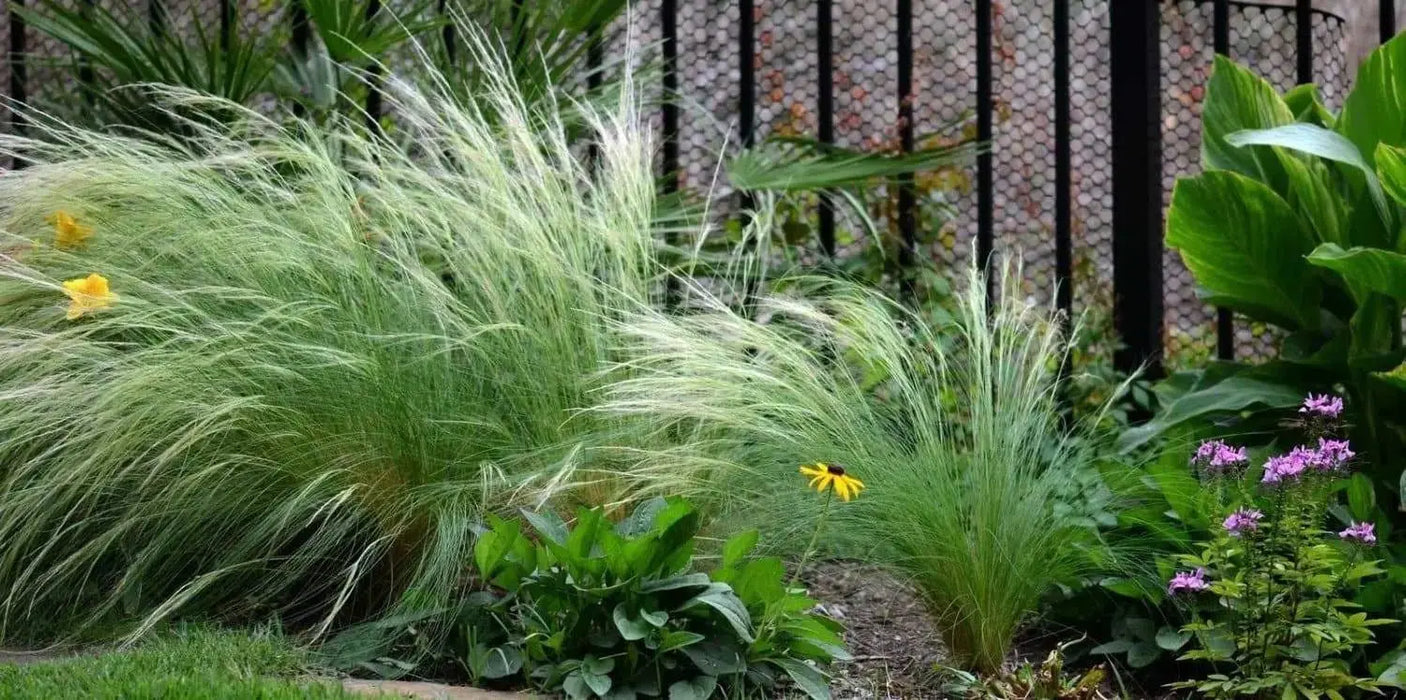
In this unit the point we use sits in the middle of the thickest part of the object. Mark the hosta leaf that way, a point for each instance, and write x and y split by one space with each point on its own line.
806 677
696 688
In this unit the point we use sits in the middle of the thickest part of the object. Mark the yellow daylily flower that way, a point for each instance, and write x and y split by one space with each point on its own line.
826 476
87 294
68 233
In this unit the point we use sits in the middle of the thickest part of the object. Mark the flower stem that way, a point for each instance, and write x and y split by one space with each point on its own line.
814 538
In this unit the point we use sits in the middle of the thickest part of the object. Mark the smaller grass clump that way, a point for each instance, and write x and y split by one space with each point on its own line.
191 662
973 485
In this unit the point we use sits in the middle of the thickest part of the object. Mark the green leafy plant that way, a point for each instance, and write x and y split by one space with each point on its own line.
1282 624
1296 223
120 54
975 489
595 610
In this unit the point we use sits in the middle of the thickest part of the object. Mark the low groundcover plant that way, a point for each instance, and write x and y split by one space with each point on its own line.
616 611
1270 591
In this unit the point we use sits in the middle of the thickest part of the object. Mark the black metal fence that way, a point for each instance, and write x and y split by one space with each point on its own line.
1091 107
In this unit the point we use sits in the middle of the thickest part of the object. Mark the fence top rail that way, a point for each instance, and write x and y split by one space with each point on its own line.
1285 5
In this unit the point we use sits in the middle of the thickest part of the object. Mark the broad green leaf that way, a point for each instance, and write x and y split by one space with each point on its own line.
548 525
642 519
1237 393
574 685
720 597
1391 169
1236 100
1375 111
599 683
696 688
675 582
678 639
1307 107
501 662
1374 330
1363 269
715 658
631 628
1245 247
1361 497
1171 639
738 547
1143 654
1320 142
806 677
1117 646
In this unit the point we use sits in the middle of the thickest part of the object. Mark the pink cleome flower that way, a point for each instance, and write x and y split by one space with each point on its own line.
1242 521
1365 533
1216 456
1325 405
1188 581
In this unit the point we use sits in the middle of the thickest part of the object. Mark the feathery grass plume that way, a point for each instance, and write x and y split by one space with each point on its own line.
973 484
322 357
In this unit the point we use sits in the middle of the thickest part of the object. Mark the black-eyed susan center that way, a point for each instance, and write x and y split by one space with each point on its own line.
824 476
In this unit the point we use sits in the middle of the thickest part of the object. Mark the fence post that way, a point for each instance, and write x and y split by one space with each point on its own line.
1386 20
373 80
907 220
1064 218
1303 39
825 110
985 179
1135 79
18 75
1225 320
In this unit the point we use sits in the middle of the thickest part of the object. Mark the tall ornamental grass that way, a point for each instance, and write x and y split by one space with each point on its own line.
973 483
318 357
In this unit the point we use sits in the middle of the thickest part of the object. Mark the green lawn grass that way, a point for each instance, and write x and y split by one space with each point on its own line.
192 662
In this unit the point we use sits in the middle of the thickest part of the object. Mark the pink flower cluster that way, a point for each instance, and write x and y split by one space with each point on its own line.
1329 456
1365 533
1242 521
1188 582
1323 405
1216 456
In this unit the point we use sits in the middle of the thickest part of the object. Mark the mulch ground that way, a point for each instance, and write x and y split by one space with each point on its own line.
895 647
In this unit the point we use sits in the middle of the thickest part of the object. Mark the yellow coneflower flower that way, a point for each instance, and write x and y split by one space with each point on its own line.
824 476
68 233
87 294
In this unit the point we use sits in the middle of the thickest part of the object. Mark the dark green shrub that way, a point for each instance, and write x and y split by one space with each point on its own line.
602 610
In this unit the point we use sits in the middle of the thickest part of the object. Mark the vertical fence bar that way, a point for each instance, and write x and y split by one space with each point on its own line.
85 66
668 15
226 24
1220 41
18 75
156 15
1136 118
746 72
451 46
669 155
907 219
825 109
985 181
374 99
1303 39
1386 20
302 33
1064 191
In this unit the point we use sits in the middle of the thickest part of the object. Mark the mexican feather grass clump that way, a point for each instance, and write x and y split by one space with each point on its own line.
973 485
315 356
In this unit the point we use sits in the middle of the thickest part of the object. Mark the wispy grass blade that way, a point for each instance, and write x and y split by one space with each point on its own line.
973 482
